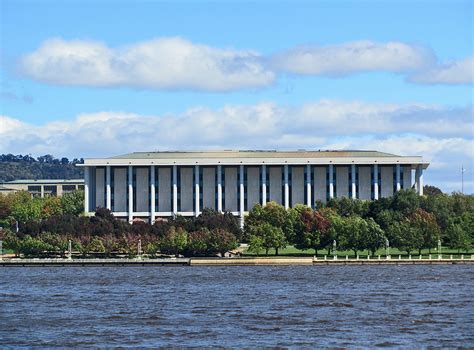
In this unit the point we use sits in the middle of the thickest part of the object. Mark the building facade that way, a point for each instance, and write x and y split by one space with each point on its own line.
149 185
43 188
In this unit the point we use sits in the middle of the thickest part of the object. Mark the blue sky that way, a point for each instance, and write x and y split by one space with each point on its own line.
97 78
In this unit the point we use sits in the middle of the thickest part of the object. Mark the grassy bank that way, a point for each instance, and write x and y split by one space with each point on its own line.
294 252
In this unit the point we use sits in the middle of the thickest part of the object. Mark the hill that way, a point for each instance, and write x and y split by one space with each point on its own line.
15 167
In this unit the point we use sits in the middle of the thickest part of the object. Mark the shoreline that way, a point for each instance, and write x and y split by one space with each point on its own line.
260 261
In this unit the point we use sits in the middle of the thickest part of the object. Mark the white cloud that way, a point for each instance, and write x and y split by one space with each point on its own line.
455 72
443 136
173 63
164 63
353 57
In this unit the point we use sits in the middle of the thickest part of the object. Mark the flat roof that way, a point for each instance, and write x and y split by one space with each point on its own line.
252 154
255 157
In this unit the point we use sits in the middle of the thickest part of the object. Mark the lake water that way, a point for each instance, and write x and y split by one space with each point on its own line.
237 307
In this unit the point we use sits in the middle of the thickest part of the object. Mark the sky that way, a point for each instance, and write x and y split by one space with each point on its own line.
101 78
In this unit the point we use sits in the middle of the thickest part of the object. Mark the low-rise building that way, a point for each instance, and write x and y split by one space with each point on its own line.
43 188
149 185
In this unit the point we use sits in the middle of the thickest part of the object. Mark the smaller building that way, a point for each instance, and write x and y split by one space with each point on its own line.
43 188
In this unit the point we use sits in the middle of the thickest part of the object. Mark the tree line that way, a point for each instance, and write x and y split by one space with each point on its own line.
15 167
406 221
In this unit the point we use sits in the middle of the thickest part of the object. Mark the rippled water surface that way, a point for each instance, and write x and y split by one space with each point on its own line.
245 307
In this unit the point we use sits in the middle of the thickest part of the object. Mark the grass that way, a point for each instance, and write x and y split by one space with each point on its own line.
292 251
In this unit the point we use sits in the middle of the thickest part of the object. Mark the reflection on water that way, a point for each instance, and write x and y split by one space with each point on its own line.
294 306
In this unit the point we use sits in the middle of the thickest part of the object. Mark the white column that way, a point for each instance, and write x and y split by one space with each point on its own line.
308 186
353 181
108 191
331 181
196 189
419 179
219 188
397 177
242 194
264 185
86 189
287 188
376 181
130 193
152 194
42 191
175 189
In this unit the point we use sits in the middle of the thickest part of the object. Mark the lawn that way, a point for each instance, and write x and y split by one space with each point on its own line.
292 251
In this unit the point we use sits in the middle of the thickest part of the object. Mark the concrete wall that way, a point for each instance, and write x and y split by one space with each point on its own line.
208 188
407 177
120 189
100 187
253 186
386 175
297 186
320 183
365 182
142 189
164 190
186 190
275 176
230 190
342 181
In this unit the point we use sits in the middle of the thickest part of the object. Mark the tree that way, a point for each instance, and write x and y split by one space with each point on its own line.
458 238
175 241
373 236
271 236
221 241
405 237
310 229
198 242
24 210
426 225
255 244
431 191
352 231
72 203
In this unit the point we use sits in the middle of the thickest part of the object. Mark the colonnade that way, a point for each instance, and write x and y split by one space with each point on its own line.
367 184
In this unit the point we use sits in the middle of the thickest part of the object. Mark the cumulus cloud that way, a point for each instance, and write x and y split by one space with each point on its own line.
353 57
441 135
455 72
164 63
173 63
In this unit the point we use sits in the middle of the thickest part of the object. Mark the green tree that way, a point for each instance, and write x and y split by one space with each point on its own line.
72 203
458 238
271 236
426 226
175 241
256 244
26 208
373 236
198 242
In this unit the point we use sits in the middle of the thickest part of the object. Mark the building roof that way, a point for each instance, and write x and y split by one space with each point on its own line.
252 154
255 157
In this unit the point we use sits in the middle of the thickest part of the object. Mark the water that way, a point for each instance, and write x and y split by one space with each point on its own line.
237 307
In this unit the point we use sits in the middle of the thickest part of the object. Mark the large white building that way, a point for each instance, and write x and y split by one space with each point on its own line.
148 185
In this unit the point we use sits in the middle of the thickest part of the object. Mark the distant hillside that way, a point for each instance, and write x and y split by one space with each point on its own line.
15 167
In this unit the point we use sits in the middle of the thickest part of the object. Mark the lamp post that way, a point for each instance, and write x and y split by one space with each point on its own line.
139 249
439 249
69 248
387 248
334 249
